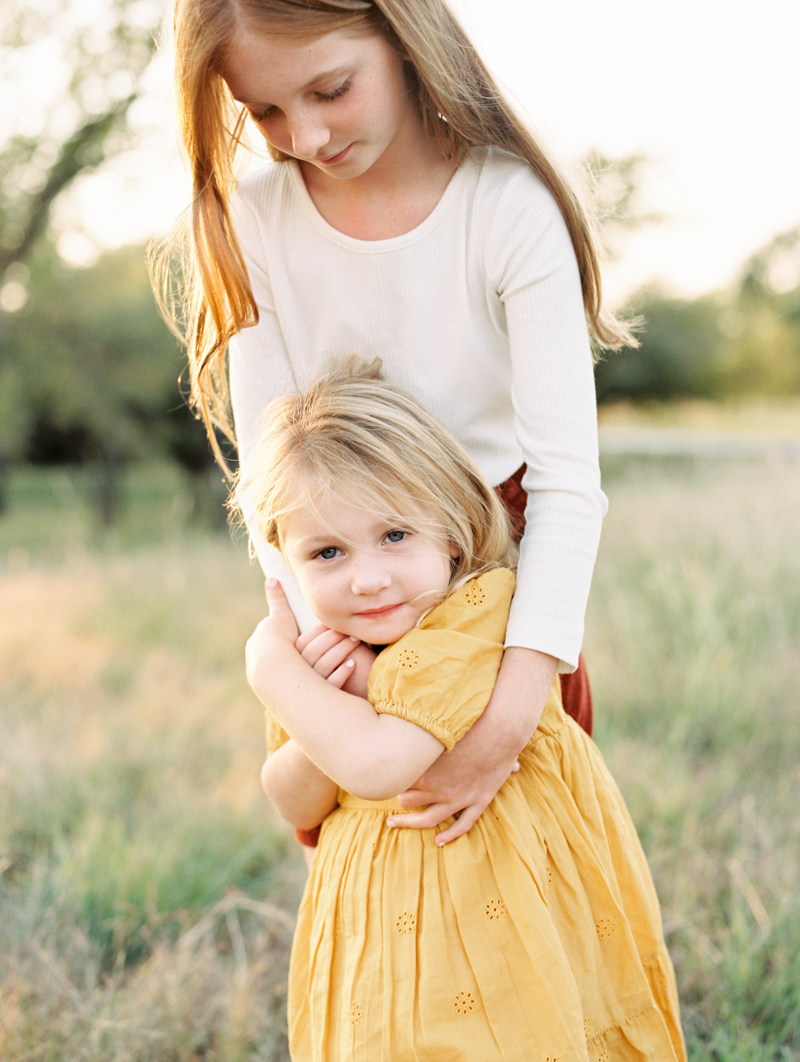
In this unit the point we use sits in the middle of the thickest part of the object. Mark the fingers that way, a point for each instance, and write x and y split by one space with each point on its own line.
281 618
463 824
308 636
429 818
340 676
325 650
426 819
417 798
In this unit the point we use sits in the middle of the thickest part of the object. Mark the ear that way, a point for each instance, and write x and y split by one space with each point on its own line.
453 550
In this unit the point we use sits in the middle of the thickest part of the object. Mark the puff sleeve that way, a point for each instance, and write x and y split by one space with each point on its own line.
440 675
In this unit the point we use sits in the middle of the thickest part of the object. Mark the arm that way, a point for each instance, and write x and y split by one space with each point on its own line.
372 756
532 272
465 781
301 792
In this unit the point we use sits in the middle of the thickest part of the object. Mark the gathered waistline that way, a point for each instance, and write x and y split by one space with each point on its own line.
347 800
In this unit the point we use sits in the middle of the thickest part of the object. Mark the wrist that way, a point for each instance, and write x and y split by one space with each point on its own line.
519 695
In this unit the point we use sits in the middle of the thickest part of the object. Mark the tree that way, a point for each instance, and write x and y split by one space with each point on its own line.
88 61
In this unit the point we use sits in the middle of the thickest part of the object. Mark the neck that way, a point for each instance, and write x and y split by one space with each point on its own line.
394 196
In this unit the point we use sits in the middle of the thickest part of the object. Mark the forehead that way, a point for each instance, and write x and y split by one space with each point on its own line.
348 513
259 66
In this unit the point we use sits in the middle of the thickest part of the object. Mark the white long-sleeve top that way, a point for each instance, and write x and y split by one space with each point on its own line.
478 312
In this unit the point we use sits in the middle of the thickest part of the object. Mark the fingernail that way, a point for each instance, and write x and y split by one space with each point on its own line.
271 583
350 663
352 639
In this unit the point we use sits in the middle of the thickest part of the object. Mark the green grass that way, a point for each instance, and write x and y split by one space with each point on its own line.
693 635
144 882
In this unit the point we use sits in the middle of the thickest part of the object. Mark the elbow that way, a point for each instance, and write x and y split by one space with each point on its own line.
377 779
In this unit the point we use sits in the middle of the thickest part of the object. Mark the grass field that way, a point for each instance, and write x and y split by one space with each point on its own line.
146 892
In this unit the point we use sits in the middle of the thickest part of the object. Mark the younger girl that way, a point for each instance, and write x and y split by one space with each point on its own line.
537 935
409 213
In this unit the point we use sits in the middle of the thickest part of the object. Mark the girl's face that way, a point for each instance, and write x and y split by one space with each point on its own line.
338 102
363 574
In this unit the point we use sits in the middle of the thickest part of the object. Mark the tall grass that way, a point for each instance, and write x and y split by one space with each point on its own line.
694 650
146 892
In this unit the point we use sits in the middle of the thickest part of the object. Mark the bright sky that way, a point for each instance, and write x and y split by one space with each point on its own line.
708 91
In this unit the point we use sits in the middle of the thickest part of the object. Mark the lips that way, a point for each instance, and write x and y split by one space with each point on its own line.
331 160
379 613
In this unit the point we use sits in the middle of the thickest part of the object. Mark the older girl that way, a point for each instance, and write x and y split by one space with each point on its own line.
410 215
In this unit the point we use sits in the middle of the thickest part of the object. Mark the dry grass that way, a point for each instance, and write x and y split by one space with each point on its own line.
144 886
136 847
694 629
755 416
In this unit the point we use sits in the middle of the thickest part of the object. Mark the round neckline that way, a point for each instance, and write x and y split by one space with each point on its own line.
374 246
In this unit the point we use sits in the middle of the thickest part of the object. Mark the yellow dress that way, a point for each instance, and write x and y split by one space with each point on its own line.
536 937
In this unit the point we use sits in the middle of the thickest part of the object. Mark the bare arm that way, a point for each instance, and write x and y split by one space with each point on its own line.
301 792
464 781
373 756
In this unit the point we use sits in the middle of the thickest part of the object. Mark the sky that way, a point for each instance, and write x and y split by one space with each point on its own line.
708 92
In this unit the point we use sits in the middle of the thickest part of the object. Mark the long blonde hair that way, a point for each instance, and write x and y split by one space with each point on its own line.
370 442
459 103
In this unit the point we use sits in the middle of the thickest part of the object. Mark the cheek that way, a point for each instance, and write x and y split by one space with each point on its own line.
320 595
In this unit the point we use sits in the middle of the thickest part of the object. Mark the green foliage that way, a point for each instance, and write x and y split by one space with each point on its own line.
91 371
95 55
678 354
742 342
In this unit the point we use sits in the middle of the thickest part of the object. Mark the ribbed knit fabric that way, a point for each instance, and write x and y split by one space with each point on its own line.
478 312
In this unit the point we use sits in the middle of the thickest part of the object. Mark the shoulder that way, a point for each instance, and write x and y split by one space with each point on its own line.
507 181
479 607
271 177
267 190
525 234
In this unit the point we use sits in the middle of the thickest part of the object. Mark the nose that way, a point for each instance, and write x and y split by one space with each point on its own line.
309 134
369 575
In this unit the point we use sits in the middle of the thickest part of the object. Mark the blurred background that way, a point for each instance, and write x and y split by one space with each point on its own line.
147 893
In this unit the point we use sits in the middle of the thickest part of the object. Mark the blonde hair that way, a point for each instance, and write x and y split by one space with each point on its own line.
376 446
459 104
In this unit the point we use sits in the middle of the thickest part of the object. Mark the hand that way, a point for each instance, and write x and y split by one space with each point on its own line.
457 784
277 632
464 781
330 654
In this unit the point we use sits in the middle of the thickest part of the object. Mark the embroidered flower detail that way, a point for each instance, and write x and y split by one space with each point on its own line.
474 595
603 1056
495 910
606 927
464 1003
551 1058
548 875
587 1027
406 922
354 1014
408 659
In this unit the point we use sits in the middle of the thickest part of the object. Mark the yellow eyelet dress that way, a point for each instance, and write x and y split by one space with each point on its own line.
536 937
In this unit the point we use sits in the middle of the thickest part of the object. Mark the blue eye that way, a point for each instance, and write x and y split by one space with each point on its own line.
396 536
327 554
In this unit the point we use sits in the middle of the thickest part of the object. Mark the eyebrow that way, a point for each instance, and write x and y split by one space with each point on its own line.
335 72
312 542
